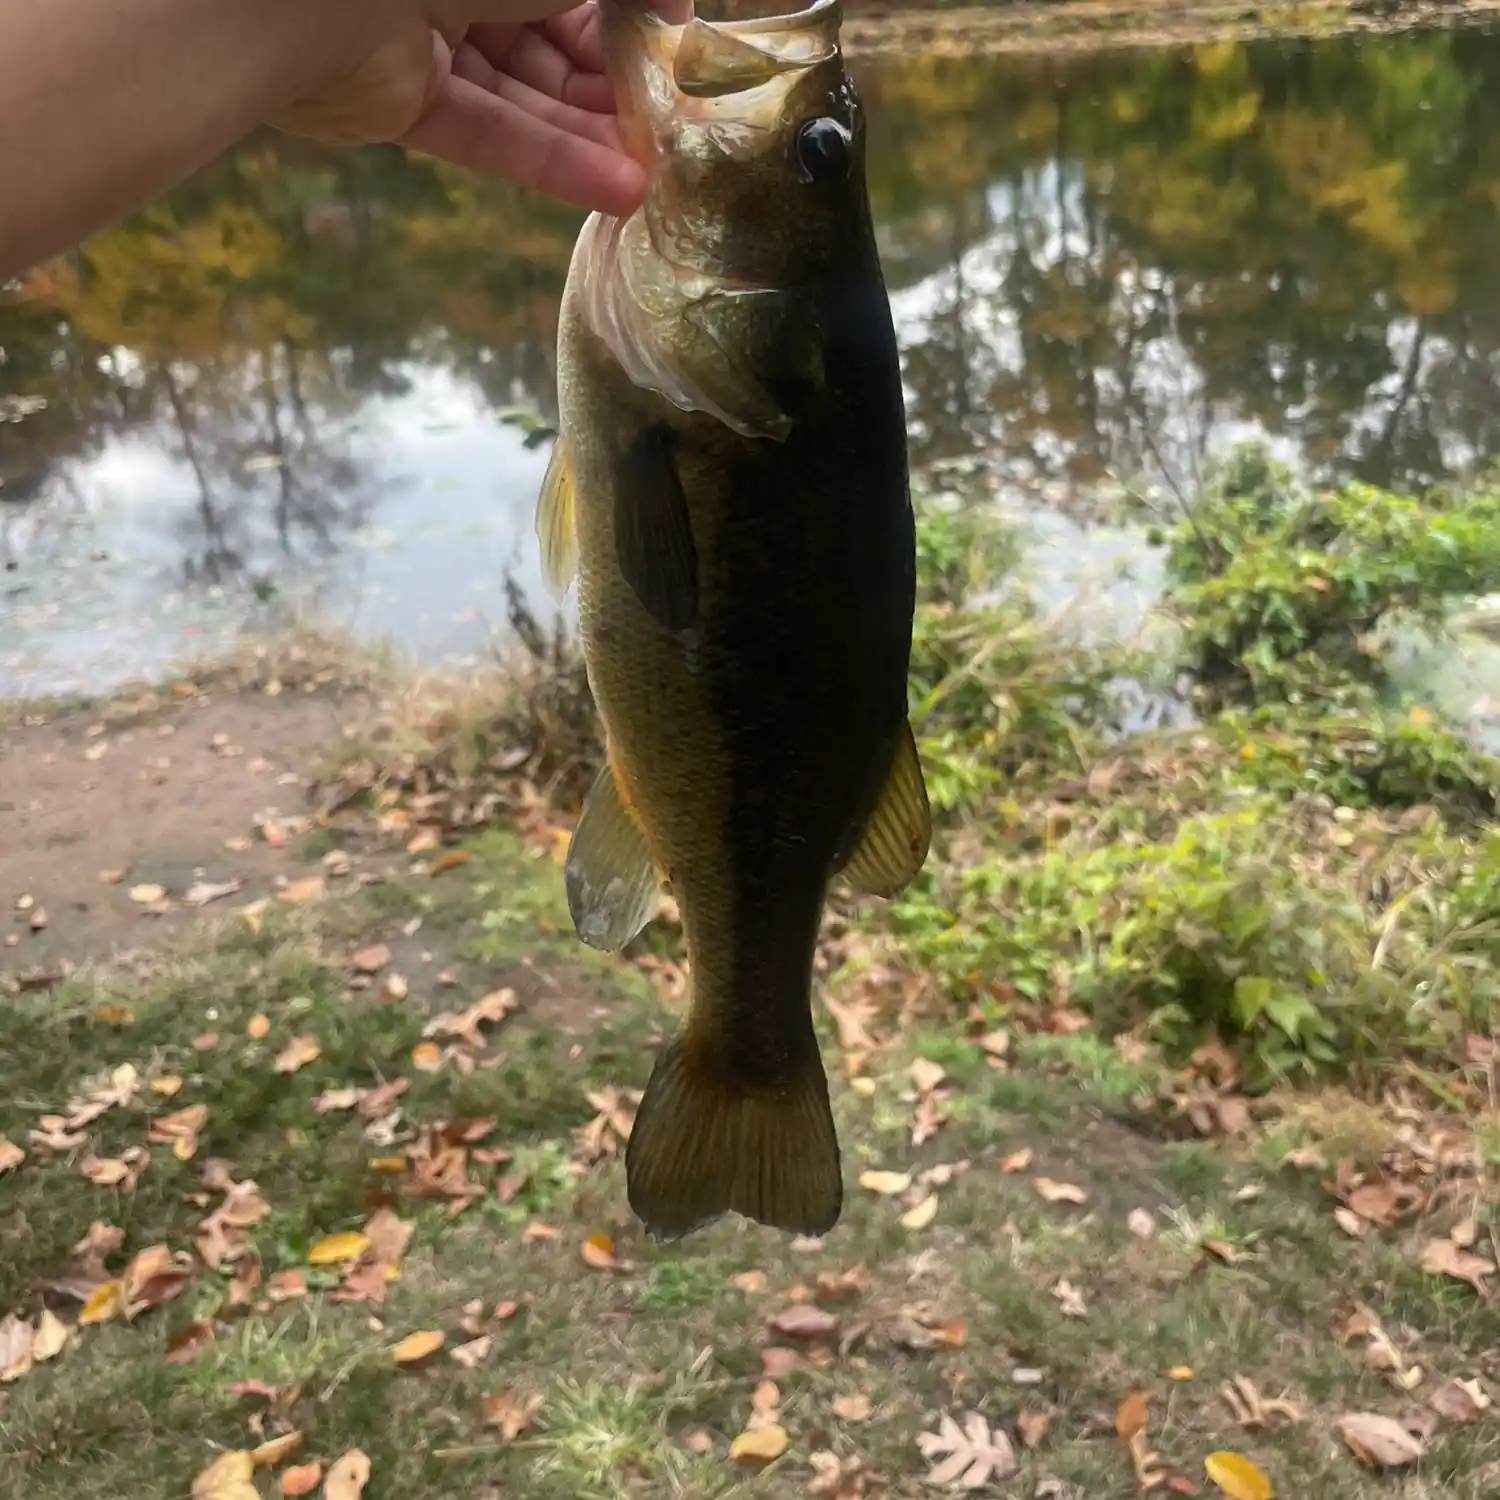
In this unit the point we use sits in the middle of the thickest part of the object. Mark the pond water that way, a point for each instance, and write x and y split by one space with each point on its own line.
284 386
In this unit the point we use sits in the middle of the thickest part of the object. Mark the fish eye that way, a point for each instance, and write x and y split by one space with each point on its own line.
823 148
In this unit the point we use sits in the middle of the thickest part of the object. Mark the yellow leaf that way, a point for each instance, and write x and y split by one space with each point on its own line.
276 1451
228 1477
426 1056
338 1247
103 1304
1180 1372
297 1053
760 1445
348 1476
598 1252
449 859
920 1216
51 1337
167 1085
1237 1476
887 1184
393 1164
259 1026
417 1346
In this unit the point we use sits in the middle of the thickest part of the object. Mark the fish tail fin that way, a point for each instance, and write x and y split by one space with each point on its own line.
705 1143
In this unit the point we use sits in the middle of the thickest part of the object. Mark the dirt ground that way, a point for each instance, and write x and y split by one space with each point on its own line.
93 807
1090 25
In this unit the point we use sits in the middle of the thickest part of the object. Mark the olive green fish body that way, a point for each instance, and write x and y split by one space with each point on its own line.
745 606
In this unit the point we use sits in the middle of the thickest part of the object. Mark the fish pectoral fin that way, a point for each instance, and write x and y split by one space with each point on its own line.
554 522
894 844
703 1145
654 544
609 875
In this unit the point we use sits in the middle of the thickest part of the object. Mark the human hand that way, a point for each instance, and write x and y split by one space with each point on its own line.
514 88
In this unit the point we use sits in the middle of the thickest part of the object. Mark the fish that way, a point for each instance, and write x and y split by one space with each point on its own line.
730 491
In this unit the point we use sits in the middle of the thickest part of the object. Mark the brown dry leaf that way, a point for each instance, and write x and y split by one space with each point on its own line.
1251 1409
1059 1192
753 1282
298 893
1032 1425
1379 1442
51 1337
464 1025
154 1276
179 1130
335 1099
758 1446
470 1354
449 859
348 1476
276 1450
1141 1222
202 892
426 1057
855 1408
259 1027
335 1248
1444 1258
302 1479
1132 1414
1351 1223
1070 1300
188 1343
509 1413
1017 1161
101 1305
804 1321
229 1477
166 1085
147 895
970 1456
17 1338
11 1155
370 960
777 1363
1458 1400
888 1184
106 1171
286 1285
297 1053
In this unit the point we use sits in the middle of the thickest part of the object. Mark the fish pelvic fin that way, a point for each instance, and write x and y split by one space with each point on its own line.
893 846
609 876
554 523
705 1144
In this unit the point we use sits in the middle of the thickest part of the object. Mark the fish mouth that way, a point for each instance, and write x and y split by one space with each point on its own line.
733 72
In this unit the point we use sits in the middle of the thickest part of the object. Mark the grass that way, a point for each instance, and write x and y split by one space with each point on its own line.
646 1372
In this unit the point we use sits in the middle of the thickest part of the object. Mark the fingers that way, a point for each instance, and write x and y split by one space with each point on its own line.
490 133
541 104
535 61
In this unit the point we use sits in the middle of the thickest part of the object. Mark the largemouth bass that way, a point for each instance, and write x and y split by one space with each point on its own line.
730 488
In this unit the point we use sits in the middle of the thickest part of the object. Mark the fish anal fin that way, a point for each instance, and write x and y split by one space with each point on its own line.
704 1145
894 844
554 522
609 875
654 544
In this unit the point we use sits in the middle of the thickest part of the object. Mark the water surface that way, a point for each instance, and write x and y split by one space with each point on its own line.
284 383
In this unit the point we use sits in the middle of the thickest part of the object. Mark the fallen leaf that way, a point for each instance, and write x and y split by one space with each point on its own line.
470 1354
777 1363
179 1130
154 1276
1141 1222
229 1477
259 1027
804 1321
921 1214
1059 1192
338 1247
348 1476
188 1343
417 1346
204 891
1180 1372
598 1252
17 1338
888 1184
759 1446
297 1053
147 895
855 1408
449 859
1444 1258
51 1337
102 1305
301 1479
370 960
11 1155
427 1057
753 1282
297 893
1017 1161
1237 1476
1131 1414
1379 1442
166 1085
1032 1425
510 1414
1454 1400
1070 1300
276 1450
974 1454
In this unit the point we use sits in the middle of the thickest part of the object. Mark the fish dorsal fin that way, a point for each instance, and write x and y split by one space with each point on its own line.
711 62
554 522
609 874
654 544
894 844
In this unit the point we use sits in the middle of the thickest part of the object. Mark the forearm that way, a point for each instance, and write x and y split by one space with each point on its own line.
105 103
